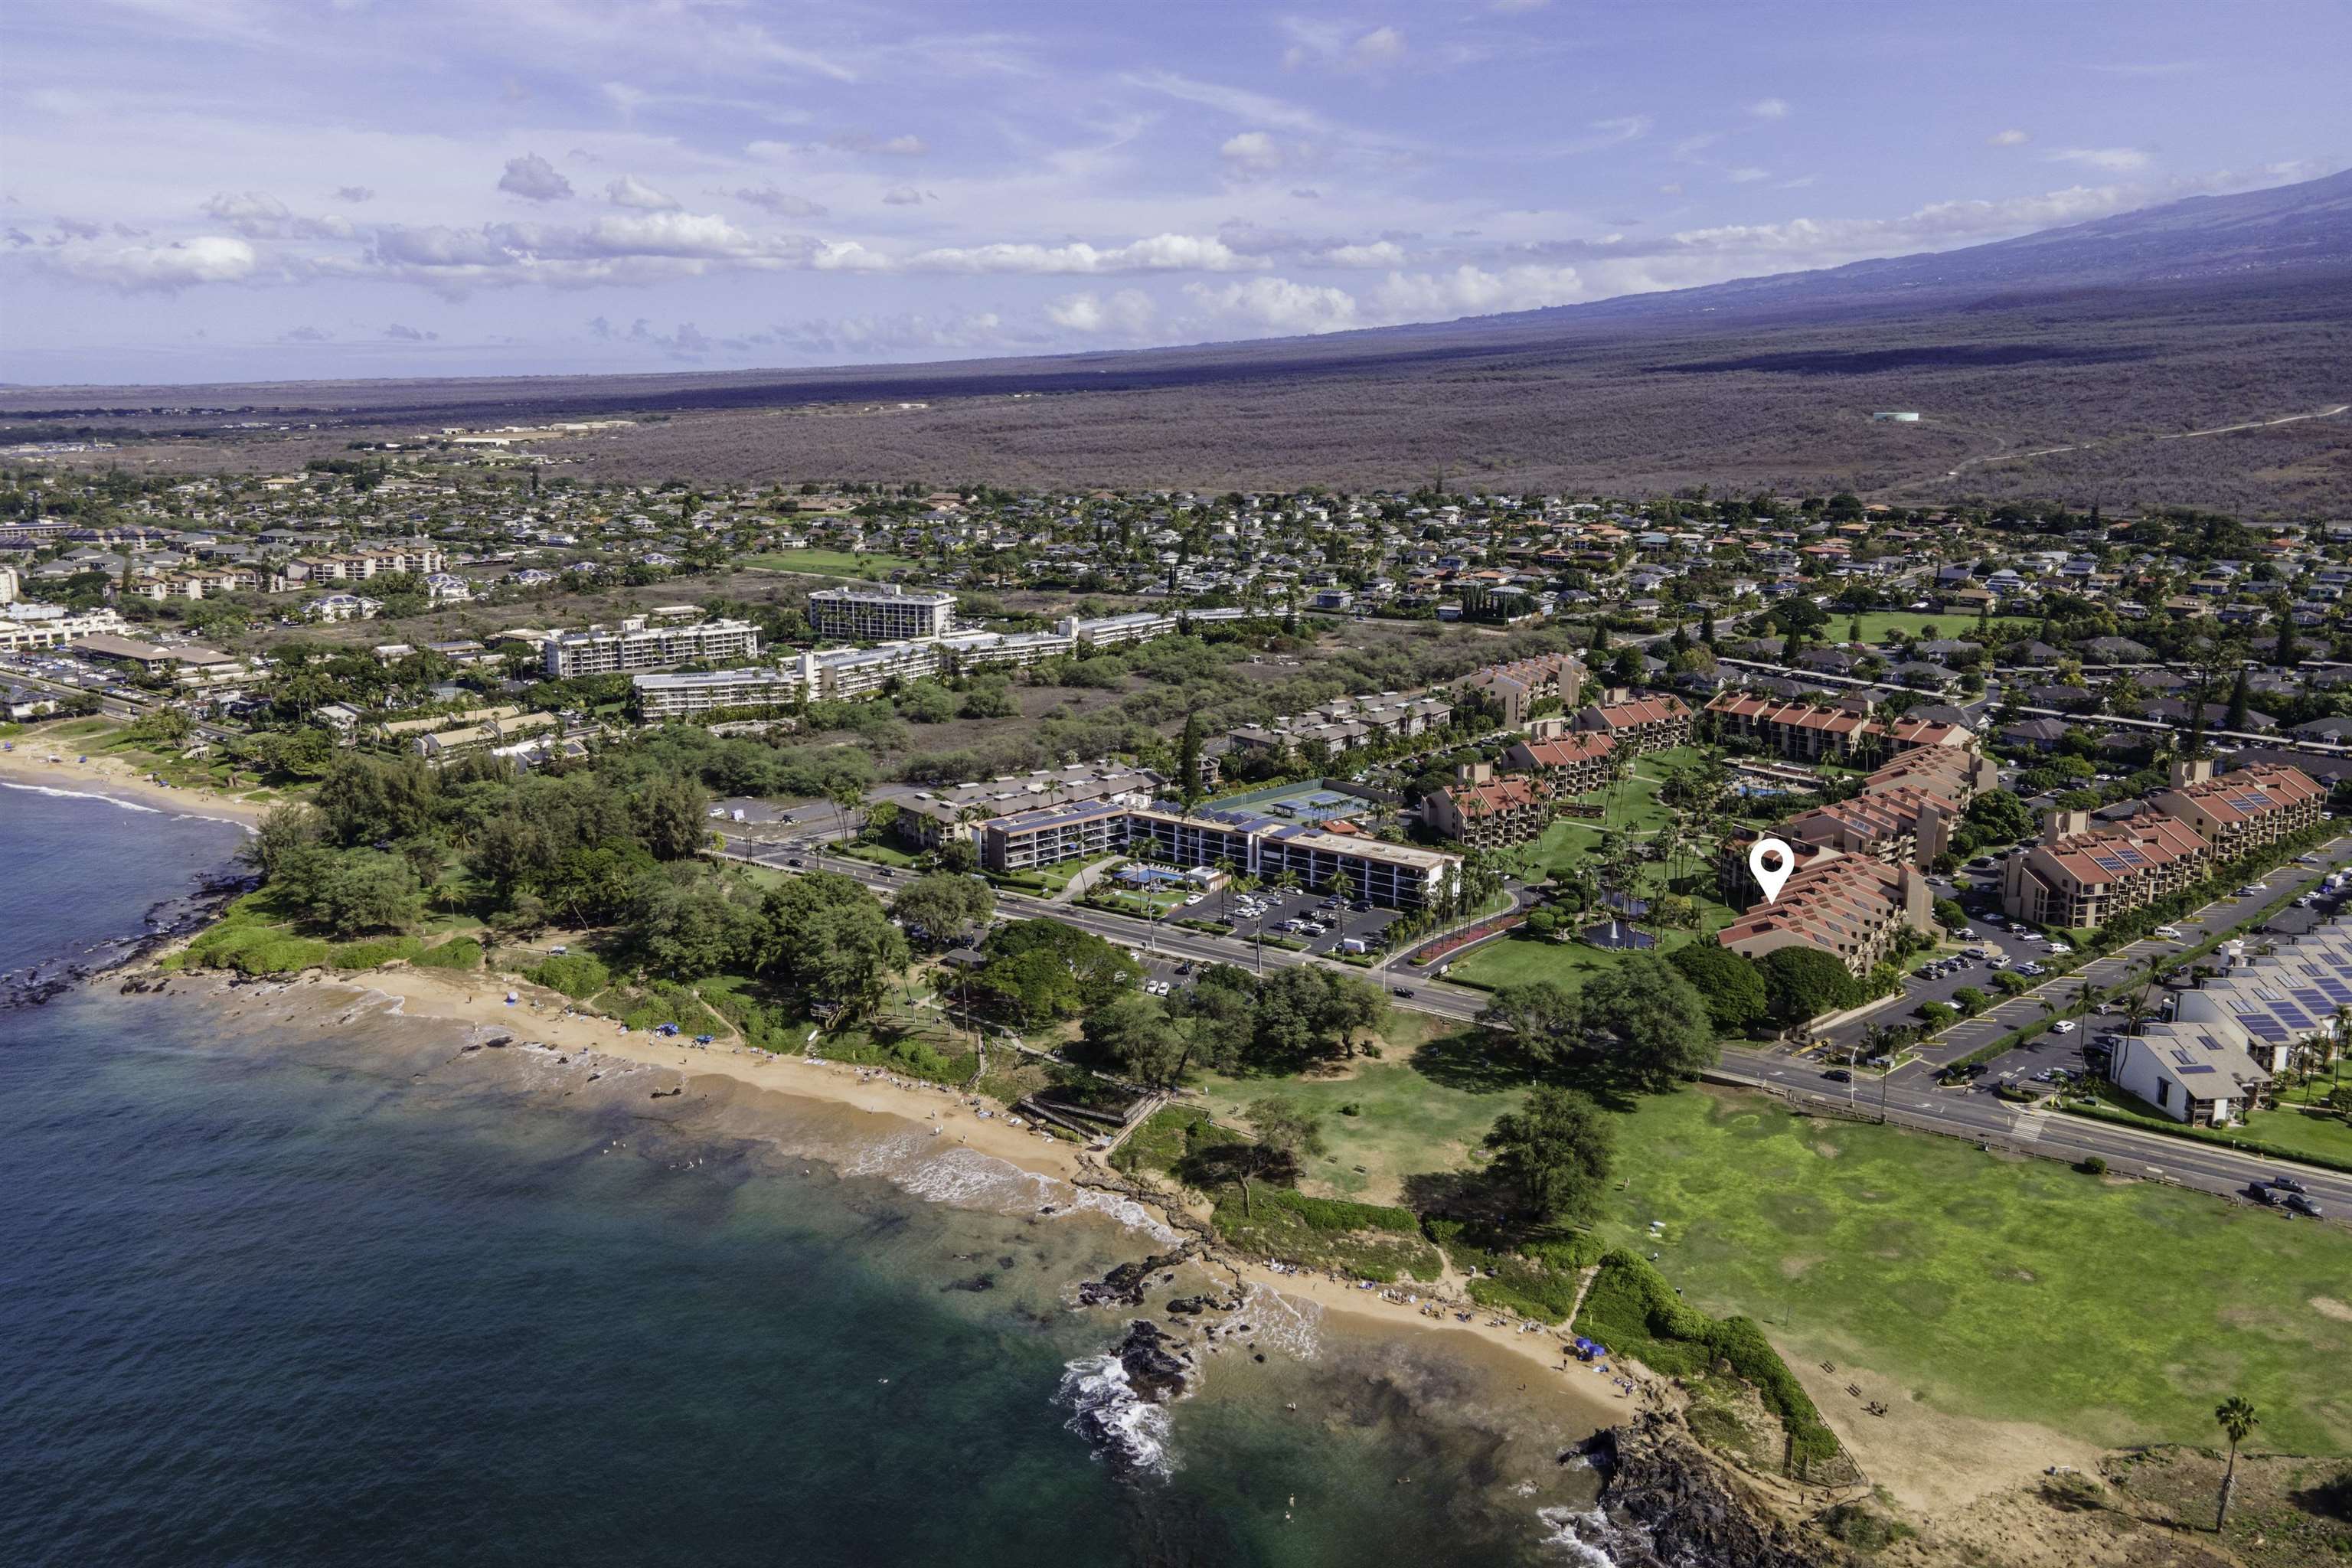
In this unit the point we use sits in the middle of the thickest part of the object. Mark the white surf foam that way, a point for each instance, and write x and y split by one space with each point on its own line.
1106 1410
1578 1536
83 795
1291 1324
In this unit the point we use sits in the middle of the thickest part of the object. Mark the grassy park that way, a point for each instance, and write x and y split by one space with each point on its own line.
1991 1288
831 563
2008 1290
1878 624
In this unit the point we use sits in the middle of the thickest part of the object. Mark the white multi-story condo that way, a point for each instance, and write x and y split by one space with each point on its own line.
48 626
634 646
884 614
705 691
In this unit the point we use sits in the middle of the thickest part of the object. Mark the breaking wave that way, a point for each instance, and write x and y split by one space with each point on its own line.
1122 1426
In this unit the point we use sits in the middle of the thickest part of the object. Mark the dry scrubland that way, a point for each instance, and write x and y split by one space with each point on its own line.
1617 402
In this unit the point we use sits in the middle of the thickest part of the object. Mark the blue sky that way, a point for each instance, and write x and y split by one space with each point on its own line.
266 189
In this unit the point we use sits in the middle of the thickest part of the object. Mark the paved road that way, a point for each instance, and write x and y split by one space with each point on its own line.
2114 968
1910 1097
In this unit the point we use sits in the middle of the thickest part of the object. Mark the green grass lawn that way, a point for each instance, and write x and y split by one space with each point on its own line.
831 563
1515 959
1877 624
1421 1109
2301 1132
878 854
1057 877
2003 1289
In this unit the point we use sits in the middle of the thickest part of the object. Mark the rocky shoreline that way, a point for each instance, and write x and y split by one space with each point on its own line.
1664 1503
166 922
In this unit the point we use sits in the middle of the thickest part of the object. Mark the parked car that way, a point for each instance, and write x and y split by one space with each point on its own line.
2303 1206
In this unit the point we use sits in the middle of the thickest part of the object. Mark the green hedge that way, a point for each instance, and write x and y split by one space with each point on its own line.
251 946
576 974
2205 1135
1631 1310
1337 1213
375 951
459 953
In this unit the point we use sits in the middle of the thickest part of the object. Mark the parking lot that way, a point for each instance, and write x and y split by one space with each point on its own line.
2050 1052
1339 922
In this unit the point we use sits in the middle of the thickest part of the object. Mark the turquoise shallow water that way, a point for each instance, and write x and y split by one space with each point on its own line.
275 1292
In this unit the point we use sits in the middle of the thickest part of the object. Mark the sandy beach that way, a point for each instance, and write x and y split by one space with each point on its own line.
114 779
896 1105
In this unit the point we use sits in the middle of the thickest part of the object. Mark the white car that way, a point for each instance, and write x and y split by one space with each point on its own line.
2064 1025
2170 933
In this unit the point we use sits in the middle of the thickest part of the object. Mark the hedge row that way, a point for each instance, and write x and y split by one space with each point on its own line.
1632 1310
577 975
1337 1213
2206 1135
458 952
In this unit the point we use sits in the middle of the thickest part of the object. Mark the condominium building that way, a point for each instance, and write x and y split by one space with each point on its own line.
2079 877
1803 732
2241 810
1484 811
861 671
1573 764
1000 650
1797 730
1904 811
1394 875
1520 686
1848 906
31 625
886 613
682 695
418 559
636 645
1639 725
1108 631
1028 839
1175 838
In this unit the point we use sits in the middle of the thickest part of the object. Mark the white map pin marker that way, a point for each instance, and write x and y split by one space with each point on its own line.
1771 862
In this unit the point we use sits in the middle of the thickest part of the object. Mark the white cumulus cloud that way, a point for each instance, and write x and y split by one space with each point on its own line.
1277 304
1128 313
250 212
534 179
207 258
1250 152
629 191
2112 160
2007 138
1770 109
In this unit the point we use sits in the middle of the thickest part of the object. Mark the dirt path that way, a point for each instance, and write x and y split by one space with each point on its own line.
1954 472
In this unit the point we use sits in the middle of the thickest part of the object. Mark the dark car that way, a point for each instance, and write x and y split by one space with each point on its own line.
1404 991
1837 1074
2261 1193
2301 1206
796 860
2288 1185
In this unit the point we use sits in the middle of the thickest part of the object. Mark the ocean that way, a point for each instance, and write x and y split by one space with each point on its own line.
286 1283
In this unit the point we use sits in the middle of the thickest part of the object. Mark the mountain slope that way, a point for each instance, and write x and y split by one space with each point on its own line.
2104 339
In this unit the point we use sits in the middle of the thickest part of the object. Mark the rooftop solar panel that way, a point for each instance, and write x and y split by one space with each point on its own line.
2266 1028
2195 1067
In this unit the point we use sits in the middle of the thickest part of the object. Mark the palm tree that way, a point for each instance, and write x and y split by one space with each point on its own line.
2237 1419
